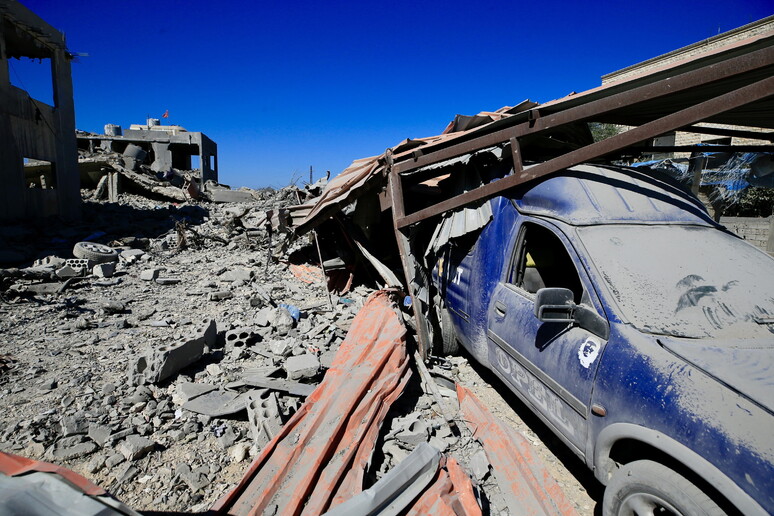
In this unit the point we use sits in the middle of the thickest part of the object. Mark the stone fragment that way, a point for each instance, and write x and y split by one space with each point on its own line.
104 270
131 255
67 272
227 439
281 320
239 452
480 465
187 391
217 403
237 274
99 433
281 348
126 473
135 447
415 433
158 364
72 448
220 295
149 274
195 479
73 425
114 460
167 281
302 366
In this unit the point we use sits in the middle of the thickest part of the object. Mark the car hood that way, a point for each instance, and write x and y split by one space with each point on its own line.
744 365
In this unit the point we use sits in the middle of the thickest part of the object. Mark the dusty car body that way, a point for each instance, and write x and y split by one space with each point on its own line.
635 327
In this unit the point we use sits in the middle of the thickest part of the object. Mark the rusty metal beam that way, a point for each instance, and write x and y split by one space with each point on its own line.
446 150
406 258
682 118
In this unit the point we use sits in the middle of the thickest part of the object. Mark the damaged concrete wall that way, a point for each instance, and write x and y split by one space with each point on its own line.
33 129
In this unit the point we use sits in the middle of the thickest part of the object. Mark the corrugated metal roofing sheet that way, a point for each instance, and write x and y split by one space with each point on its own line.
319 457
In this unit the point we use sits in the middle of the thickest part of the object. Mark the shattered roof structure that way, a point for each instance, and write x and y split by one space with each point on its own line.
729 85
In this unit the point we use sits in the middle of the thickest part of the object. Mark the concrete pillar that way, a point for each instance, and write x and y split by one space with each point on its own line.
163 161
68 180
11 166
770 241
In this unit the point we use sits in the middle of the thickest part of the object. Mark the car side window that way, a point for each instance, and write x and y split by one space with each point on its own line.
541 260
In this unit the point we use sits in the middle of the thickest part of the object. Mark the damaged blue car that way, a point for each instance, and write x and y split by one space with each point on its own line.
638 329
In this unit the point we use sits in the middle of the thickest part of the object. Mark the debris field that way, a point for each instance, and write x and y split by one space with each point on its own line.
185 348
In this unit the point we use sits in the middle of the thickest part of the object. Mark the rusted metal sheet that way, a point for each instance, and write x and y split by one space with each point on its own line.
13 465
319 457
524 481
451 494
307 273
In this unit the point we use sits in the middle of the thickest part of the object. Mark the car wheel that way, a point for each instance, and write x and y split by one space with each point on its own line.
449 343
97 253
646 487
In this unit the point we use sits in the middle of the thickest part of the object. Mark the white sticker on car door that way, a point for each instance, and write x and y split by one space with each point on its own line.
588 352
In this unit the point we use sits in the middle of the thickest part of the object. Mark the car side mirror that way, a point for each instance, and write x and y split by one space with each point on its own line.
555 305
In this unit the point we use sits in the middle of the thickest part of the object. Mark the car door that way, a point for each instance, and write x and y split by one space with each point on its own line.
551 365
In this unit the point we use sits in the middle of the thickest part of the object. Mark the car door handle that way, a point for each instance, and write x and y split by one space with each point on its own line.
500 308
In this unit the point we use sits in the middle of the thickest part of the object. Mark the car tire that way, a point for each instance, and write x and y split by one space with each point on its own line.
647 487
449 343
97 253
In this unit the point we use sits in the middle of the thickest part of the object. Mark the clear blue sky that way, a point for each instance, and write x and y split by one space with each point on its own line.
283 85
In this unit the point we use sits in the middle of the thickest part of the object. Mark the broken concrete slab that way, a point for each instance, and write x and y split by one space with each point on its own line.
72 448
159 364
104 270
302 366
100 434
275 384
149 274
135 447
221 195
237 274
218 403
187 391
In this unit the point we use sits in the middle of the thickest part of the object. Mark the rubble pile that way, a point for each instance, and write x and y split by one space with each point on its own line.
157 348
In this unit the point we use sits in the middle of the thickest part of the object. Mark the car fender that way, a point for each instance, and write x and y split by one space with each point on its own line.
604 465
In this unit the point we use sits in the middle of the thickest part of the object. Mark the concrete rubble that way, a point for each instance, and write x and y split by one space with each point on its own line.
163 393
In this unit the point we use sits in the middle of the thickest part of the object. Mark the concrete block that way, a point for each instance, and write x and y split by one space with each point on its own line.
131 255
149 274
135 447
67 272
238 274
264 416
239 338
222 195
159 364
302 366
104 270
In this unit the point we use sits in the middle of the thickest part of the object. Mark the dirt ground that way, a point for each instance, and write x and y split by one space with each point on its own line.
67 357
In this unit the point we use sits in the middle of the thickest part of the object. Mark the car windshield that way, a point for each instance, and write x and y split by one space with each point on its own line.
685 281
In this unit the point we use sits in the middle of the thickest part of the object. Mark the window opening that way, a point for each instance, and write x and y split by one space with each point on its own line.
542 261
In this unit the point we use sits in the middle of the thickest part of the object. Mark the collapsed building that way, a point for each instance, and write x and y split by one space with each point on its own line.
33 130
163 147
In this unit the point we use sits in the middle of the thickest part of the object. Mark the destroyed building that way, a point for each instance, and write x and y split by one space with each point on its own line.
163 147
31 130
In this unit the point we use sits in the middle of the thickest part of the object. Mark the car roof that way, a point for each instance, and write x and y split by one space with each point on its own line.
589 194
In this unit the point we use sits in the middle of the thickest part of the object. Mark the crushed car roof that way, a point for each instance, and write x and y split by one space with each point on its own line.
586 195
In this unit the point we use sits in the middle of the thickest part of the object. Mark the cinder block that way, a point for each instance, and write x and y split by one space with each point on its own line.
159 364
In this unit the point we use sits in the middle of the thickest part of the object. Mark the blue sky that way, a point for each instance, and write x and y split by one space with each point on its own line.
281 86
